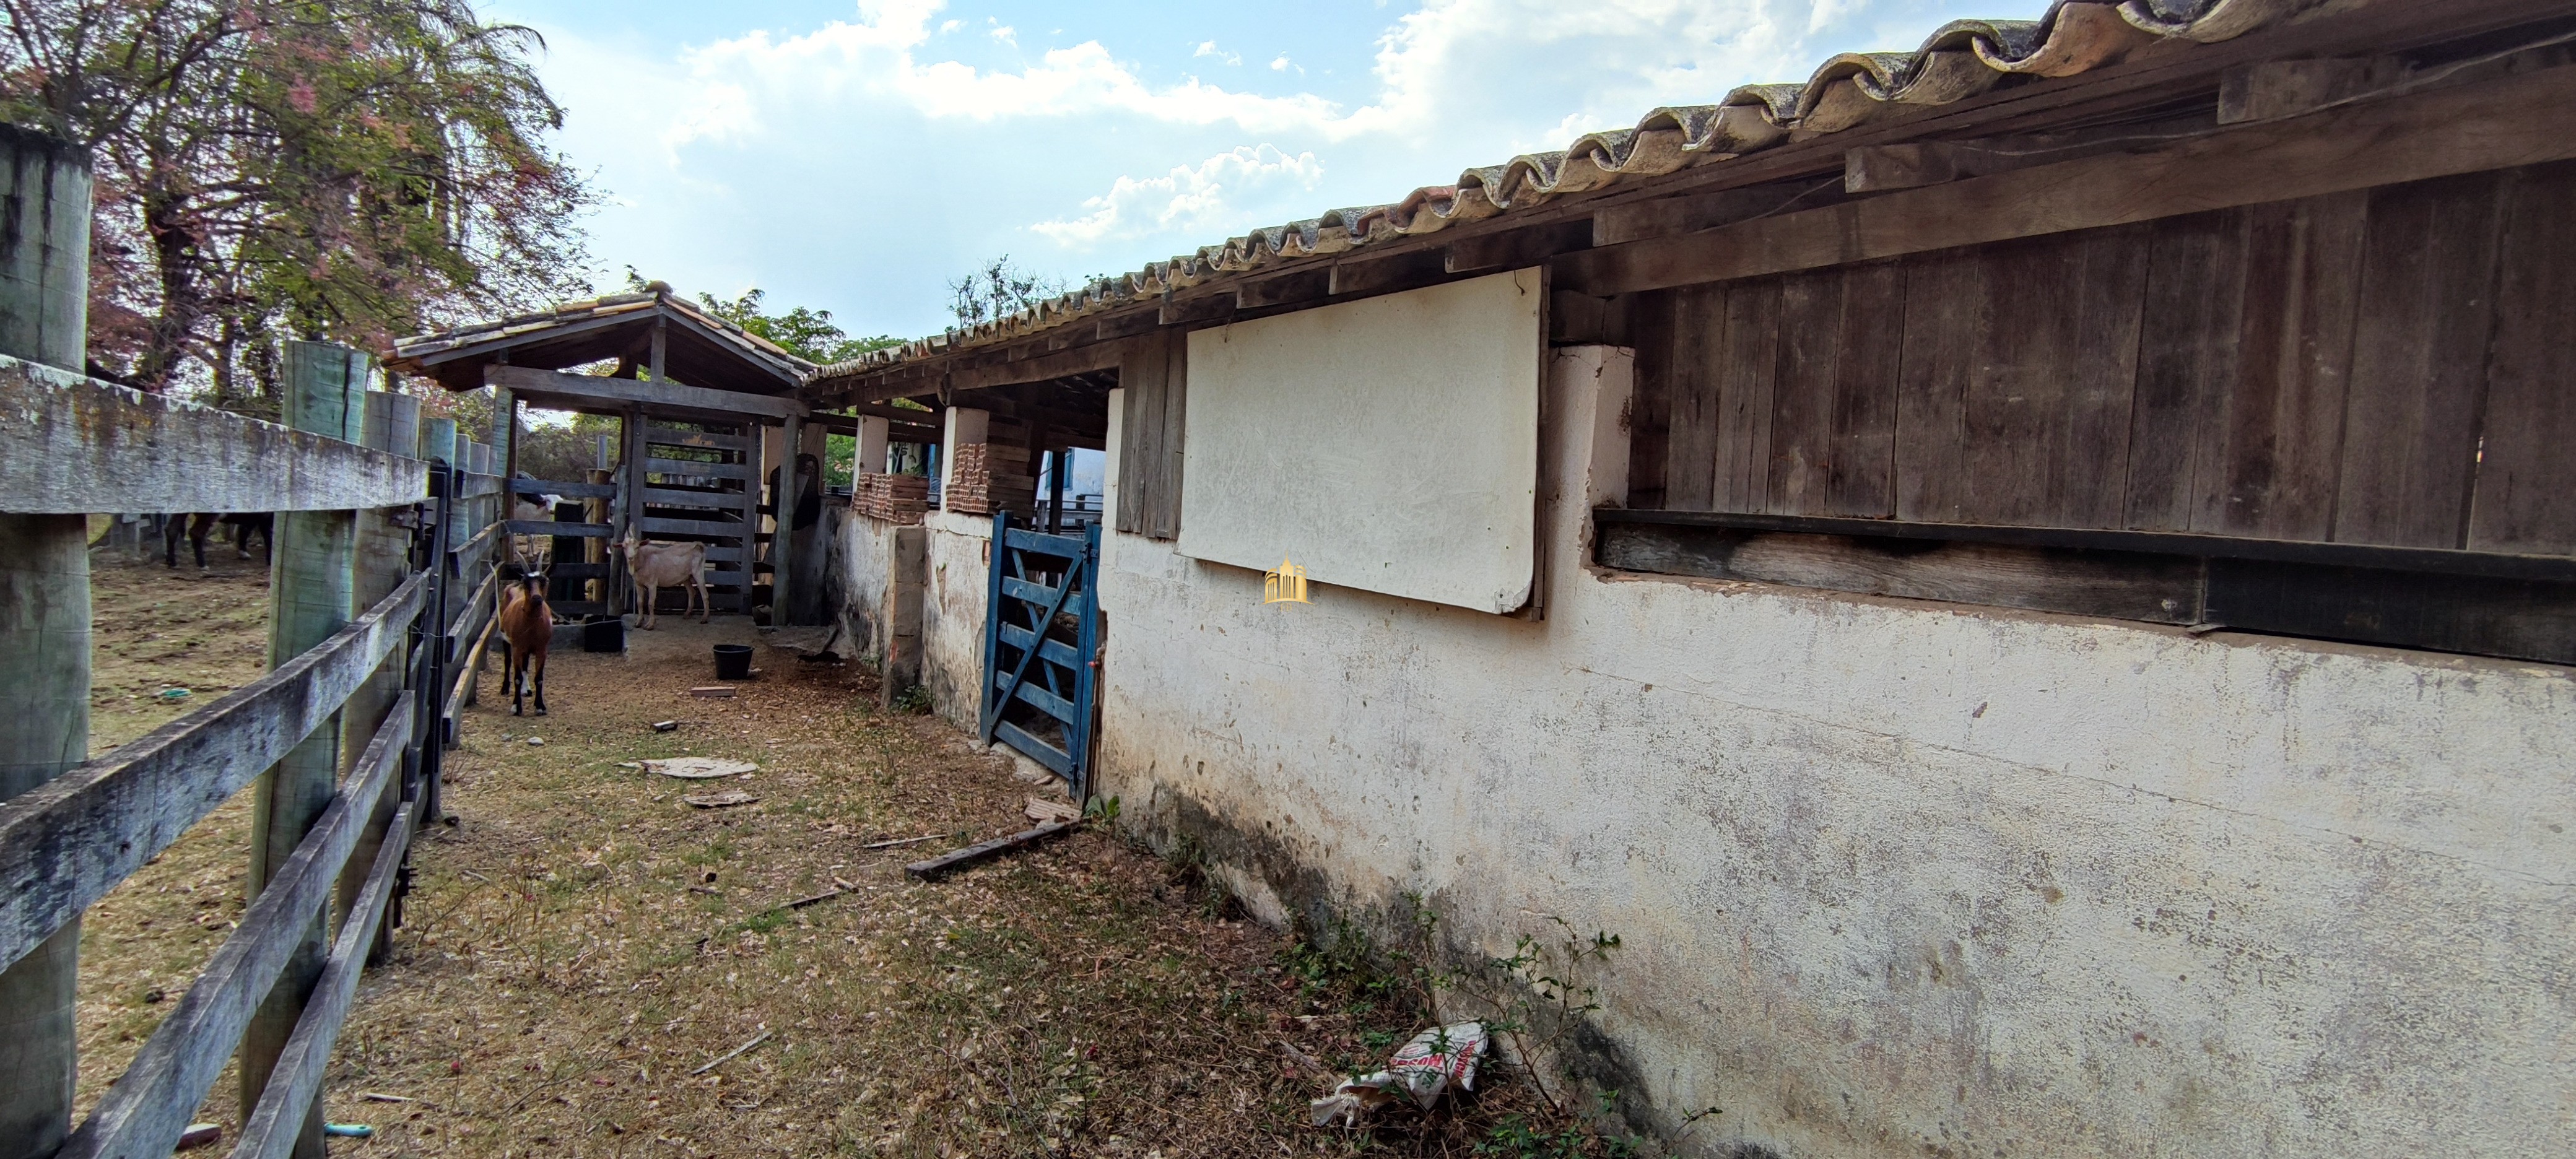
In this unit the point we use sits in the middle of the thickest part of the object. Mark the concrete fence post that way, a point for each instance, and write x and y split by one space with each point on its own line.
311 596
44 618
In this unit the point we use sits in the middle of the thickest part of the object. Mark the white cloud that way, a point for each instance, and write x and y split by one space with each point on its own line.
753 83
1007 35
1189 197
861 164
1280 64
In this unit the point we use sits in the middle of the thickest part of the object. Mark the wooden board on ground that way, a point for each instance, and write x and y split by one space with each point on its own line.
957 859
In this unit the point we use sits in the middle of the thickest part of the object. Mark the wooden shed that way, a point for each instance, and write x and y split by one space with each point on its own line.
707 412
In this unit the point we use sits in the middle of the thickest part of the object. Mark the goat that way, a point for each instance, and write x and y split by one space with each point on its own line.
654 566
195 528
249 523
528 626
535 551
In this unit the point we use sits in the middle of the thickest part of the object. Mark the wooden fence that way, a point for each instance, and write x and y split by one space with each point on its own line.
69 446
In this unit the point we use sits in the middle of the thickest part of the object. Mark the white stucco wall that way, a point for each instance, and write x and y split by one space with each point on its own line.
1905 878
952 613
882 575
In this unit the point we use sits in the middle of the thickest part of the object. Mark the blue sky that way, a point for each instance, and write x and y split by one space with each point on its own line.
857 157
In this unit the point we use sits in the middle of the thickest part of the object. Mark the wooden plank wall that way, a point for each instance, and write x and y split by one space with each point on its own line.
2384 366
1155 377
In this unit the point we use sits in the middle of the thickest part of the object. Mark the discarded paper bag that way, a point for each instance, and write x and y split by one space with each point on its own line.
1421 1069
698 768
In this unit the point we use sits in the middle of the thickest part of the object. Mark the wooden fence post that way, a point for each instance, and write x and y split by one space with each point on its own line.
44 619
311 597
384 559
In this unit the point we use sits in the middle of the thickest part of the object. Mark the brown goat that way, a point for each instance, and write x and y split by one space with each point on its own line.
528 626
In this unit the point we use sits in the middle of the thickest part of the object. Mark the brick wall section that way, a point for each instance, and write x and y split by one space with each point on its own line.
970 481
988 477
893 498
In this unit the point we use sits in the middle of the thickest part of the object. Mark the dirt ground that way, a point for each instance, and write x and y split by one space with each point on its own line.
583 948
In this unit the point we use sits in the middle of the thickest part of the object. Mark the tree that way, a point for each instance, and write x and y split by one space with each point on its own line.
998 290
349 170
807 333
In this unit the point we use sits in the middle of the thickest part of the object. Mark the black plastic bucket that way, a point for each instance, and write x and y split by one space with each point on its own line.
733 661
606 634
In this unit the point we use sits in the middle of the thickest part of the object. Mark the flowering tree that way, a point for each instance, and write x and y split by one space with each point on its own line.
268 169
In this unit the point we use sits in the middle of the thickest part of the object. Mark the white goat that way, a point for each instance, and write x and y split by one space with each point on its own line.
533 552
654 566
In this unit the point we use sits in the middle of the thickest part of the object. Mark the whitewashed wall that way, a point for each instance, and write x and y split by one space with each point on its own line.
952 613
1903 878
881 578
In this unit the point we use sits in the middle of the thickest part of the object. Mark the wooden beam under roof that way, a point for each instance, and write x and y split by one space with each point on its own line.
622 392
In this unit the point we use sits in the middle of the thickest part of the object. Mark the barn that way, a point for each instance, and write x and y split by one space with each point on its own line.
2030 582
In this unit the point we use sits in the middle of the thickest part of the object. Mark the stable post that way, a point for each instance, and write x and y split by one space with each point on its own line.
1059 472
312 595
630 505
782 533
505 441
44 619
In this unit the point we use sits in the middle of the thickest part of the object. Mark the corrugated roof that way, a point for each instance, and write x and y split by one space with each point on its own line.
1960 60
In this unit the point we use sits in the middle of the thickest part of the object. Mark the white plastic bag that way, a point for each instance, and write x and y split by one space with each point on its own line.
1421 1069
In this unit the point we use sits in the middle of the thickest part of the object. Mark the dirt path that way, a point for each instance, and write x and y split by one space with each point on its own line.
582 940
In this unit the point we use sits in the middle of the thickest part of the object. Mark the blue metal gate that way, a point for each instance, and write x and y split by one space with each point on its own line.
1041 644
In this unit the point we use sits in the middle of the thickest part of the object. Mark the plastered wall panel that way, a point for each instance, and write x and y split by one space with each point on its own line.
1389 444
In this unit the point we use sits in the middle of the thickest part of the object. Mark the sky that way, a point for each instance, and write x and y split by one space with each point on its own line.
857 157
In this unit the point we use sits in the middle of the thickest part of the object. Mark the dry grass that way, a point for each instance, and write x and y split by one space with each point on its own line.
155 628
581 941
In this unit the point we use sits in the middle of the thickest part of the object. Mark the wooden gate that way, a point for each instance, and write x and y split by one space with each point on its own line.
1042 647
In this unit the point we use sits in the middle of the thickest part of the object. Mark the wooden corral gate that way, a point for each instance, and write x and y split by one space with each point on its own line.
1041 639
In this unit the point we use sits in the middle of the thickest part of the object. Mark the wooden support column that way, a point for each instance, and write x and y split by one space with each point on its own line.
384 552
782 534
505 440
753 472
630 500
44 620
312 593
1059 473
812 439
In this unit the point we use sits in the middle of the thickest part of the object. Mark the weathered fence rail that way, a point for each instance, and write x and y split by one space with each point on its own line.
384 520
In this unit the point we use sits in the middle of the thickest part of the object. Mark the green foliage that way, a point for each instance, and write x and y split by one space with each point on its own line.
997 290
1099 808
1515 1138
914 699
271 169
805 332
1530 1001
